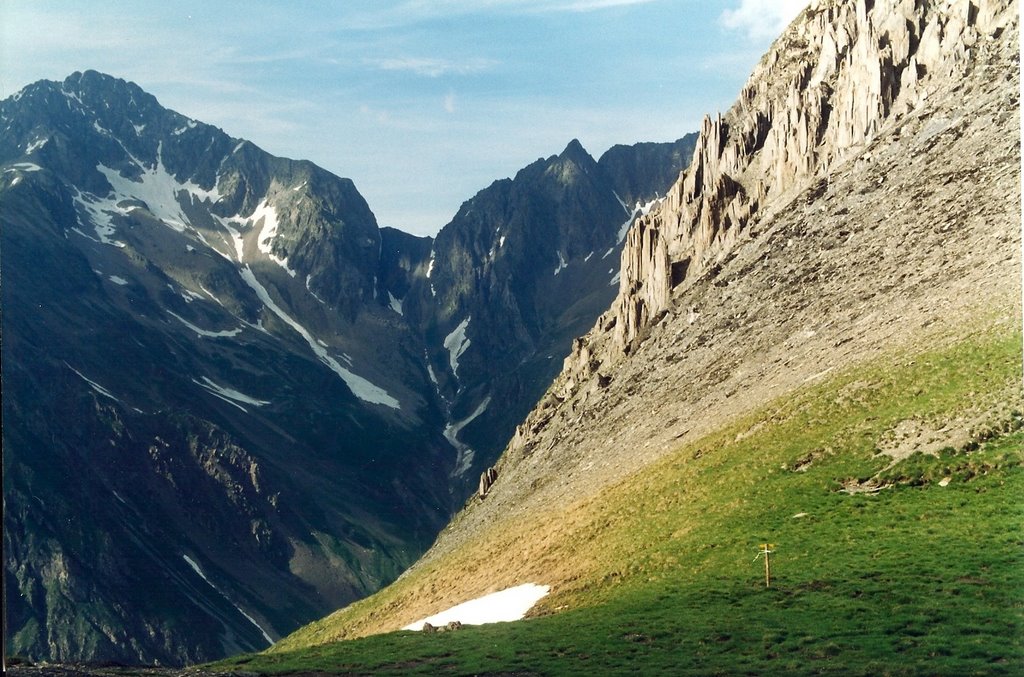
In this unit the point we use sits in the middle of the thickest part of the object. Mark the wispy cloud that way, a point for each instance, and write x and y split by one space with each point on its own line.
432 67
590 5
410 12
449 102
441 7
761 19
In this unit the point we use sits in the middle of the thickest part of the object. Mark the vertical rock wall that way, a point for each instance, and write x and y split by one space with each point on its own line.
816 99
824 91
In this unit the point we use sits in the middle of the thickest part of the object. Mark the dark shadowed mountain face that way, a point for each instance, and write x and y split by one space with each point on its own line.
519 272
232 403
212 431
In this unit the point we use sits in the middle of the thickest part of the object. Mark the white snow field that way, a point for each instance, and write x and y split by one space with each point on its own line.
510 604
456 344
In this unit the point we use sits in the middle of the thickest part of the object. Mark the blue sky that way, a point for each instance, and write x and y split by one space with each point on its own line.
421 102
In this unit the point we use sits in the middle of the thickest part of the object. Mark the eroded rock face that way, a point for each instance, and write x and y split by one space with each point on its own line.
817 99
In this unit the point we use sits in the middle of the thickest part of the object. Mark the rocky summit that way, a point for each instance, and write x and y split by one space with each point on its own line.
232 401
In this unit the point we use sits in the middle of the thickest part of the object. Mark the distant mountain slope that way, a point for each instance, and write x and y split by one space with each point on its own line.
228 404
206 417
521 270
832 285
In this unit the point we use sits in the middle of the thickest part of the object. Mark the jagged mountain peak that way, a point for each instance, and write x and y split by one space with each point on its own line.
102 92
572 165
118 147
853 95
99 94
575 151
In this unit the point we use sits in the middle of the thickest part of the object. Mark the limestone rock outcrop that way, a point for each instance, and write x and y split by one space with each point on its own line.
817 99
487 478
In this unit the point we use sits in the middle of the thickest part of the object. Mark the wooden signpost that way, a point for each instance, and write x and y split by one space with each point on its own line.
766 549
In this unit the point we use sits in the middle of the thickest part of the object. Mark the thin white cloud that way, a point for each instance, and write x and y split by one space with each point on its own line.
591 5
762 19
442 7
409 12
449 102
432 67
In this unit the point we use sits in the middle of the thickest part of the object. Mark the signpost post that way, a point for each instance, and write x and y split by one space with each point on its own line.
766 549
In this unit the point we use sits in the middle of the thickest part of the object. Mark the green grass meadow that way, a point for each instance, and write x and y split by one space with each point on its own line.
924 576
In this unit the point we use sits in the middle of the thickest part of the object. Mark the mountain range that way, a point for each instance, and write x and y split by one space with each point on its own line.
814 353
811 351
232 401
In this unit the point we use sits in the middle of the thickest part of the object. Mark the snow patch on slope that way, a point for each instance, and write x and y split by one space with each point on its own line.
464 454
265 216
395 304
95 386
562 265
36 145
506 605
230 395
360 387
158 189
638 210
456 343
195 567
204 332
23 167
101 213
309 279
268 232
622 202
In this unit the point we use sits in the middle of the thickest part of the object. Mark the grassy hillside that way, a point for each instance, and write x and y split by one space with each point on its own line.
881 567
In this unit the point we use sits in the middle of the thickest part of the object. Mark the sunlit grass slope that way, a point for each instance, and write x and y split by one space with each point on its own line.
657 574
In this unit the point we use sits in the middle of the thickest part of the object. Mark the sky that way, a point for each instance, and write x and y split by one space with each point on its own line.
421 103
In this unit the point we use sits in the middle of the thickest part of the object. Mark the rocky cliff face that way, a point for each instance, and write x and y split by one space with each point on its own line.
232 403
854 200
826 90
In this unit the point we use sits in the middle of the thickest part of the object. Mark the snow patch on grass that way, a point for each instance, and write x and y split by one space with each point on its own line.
506 605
